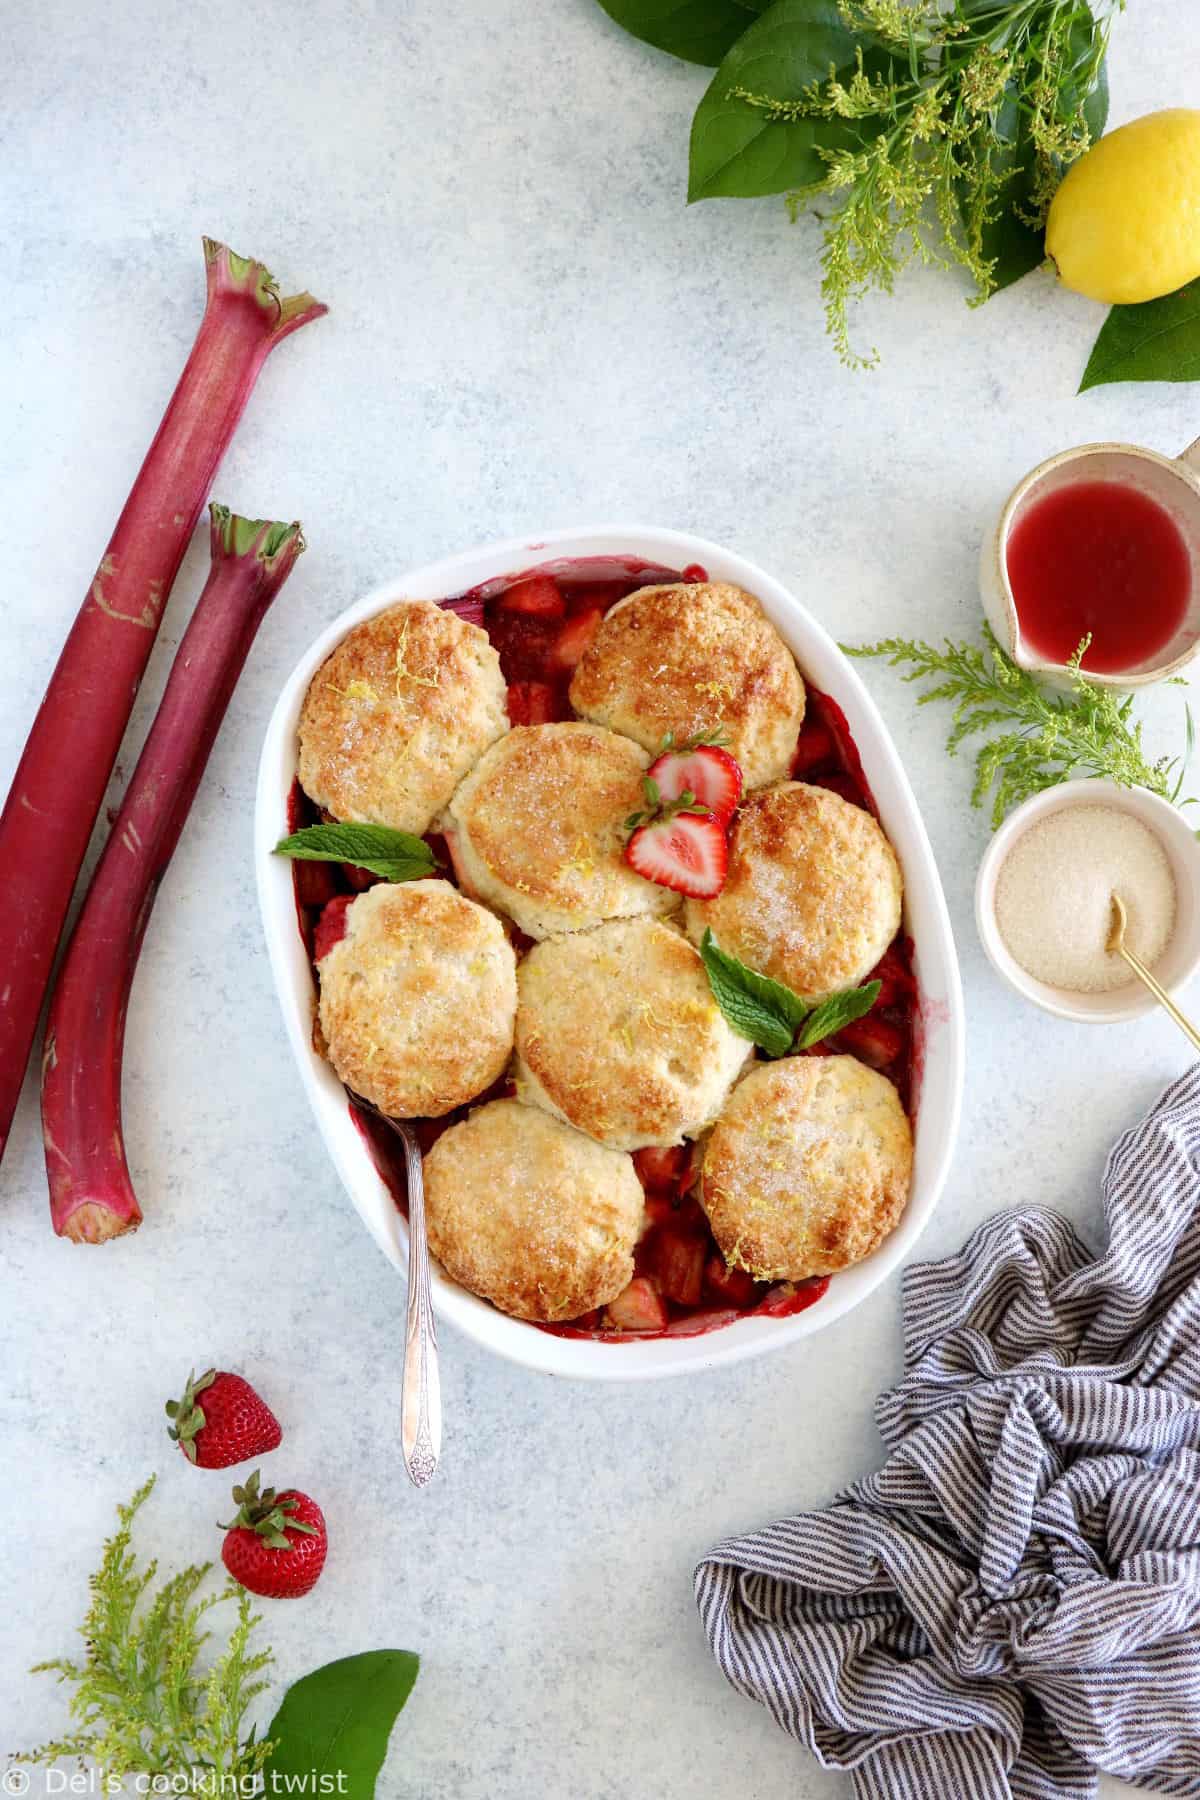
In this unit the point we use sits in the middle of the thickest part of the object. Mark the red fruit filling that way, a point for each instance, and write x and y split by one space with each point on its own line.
331 926
541 622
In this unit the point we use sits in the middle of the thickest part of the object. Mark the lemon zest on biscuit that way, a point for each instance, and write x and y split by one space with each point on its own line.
581 859
356 690
403 672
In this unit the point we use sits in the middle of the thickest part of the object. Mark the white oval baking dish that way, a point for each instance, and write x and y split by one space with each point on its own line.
938 1087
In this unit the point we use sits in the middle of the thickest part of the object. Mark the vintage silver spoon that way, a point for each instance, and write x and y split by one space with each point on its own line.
1117 946
421 1390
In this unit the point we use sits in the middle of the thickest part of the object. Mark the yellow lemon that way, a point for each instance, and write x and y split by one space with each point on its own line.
1125 224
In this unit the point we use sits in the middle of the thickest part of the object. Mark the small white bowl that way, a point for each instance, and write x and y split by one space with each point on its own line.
1181 958
938 1049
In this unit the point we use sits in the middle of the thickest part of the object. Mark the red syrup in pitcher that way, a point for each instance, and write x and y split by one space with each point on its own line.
1099 560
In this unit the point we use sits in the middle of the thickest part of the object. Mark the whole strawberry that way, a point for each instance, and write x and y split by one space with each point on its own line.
277 1543
221 1421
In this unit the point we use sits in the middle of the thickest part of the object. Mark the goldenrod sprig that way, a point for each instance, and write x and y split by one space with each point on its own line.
140 1704
965 112
1044 736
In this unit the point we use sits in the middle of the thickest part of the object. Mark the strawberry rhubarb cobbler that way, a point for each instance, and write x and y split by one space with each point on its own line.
646 1000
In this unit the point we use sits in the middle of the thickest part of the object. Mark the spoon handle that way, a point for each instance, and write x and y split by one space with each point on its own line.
1161 995
421 1395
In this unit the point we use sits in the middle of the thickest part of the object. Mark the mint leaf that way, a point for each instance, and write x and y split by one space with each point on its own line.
758 1008
337 1722
838 1010
740 147
699 31
1157 341
396 855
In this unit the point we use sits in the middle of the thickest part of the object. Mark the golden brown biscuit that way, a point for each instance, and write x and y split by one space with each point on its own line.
531 1215
539 829
812 896
397 714
695 657
418 999
808 1168
618 1034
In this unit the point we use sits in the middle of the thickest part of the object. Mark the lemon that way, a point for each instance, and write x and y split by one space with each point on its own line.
1125 224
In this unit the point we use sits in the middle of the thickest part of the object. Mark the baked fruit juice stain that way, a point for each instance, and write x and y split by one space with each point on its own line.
1099 560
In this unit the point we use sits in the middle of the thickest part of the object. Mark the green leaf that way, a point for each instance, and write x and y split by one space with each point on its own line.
1157 341
700 31
758 1008
396 855
838 1010
738 148
337 1722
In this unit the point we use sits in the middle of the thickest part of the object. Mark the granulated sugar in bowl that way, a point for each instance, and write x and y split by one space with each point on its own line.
1054 897
1043 899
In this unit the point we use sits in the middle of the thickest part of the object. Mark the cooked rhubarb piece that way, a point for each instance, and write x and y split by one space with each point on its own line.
532 703
895 981
331 926
675 1257
538 595
872 1040
733 1287
573 639
639 1307
315 882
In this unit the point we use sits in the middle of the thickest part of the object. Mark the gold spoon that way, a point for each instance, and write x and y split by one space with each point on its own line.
1116 946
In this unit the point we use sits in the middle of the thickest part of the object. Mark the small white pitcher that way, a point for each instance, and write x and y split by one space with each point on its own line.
1173 481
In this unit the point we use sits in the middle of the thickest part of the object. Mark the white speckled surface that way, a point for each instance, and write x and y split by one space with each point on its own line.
527 328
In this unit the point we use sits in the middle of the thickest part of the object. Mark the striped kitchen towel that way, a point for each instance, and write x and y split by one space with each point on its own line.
1013 1601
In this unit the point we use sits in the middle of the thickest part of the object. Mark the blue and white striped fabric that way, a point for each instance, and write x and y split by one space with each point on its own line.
1013 1601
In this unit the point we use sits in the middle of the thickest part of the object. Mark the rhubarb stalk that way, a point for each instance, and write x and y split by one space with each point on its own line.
91 1196
60 781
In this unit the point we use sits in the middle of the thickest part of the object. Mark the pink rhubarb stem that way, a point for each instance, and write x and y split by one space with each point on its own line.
91 1197
59 785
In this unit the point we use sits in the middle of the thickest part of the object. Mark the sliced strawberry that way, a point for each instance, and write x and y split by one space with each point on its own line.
537 594
664 1171
573 639
331 926
676 1259
708 772
687 853
531 703
872 1040
316 883
639 1308
734 1287
814 747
